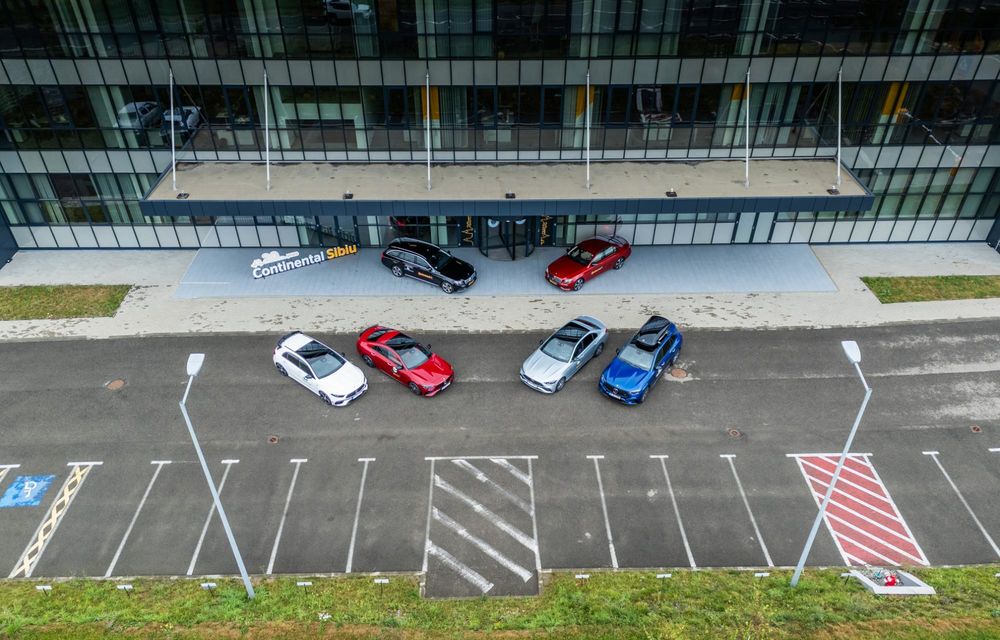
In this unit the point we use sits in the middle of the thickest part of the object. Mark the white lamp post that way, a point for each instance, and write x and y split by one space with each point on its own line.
853 353
195 360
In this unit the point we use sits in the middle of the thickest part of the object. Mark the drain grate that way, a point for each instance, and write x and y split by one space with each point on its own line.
677 372
735 433
115 385
976 429
272 439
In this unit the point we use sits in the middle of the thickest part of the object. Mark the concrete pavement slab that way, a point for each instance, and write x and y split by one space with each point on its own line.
152 309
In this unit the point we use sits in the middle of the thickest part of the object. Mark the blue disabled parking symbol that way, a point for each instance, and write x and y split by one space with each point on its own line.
26 491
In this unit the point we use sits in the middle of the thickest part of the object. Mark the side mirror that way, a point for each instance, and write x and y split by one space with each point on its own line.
428 346
395 369
308 376
618 351
540 341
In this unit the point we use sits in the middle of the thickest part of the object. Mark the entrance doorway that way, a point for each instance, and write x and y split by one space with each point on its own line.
507 238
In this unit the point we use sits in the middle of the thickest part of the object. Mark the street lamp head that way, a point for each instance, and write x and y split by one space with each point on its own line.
195 360
852 351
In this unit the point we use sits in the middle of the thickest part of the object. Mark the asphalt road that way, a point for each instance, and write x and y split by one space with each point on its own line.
491 481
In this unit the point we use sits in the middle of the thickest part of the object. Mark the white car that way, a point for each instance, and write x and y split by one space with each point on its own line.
319 368
139 115
184 118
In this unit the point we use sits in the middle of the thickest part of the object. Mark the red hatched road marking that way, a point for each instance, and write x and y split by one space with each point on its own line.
862 518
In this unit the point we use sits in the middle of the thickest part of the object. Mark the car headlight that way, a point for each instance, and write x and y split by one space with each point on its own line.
428 387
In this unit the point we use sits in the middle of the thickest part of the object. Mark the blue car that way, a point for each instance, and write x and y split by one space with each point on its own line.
640 363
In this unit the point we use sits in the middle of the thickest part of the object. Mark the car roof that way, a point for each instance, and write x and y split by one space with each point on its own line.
296 341
652 332
416 246
594 245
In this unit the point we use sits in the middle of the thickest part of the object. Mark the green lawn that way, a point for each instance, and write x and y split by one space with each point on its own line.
46 303
921 289
693 604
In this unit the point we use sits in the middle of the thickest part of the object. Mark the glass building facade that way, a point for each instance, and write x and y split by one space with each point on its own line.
85 121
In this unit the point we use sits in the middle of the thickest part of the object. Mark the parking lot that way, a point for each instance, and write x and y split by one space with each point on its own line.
489 482
487 523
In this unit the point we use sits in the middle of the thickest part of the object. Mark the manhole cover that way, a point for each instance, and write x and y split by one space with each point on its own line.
272 439
976 428
115 385
677 372
735 433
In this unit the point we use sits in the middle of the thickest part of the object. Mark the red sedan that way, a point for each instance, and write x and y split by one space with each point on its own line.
403 358
587 259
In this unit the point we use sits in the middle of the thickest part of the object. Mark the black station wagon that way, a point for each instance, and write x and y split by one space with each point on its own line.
428 263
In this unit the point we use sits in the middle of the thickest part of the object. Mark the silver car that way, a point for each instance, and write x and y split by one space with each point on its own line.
563 354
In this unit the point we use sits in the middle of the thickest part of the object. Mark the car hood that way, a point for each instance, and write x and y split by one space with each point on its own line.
435 371
543 368
625 376
343 381
565 267
457 269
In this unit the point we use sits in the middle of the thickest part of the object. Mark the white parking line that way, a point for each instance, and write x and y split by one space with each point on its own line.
432 458
534 518
995 449
482 545
201 539
934 455
357 513
746 503
284 512
514 471
604 508
482 477
5 468
135 516
467 573
430 505
493 518
677 513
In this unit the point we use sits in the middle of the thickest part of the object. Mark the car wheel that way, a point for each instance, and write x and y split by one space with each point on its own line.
447 287
368 361
578 285
619 263
560 384
397 271
326 398
414 388
280 369
642 396
599 349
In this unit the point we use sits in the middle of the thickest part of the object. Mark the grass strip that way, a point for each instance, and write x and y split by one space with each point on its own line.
926 288
692 604
53 302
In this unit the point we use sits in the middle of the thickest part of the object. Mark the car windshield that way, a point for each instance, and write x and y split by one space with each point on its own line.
580 255
440 259
412 352
560 346
323 360
638 358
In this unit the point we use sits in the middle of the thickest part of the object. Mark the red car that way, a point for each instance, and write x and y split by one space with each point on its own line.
587 259
403 358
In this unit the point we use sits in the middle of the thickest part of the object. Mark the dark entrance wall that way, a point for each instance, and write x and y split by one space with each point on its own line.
994 238
7 244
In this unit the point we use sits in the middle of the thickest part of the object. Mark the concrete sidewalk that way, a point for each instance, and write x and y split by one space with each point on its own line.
152 309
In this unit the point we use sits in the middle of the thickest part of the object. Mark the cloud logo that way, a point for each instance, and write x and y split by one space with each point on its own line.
270 257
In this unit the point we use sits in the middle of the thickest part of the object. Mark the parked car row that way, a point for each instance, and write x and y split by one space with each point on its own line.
635 369
429 263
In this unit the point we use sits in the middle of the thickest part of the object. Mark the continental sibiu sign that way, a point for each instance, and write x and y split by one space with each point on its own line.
274 262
